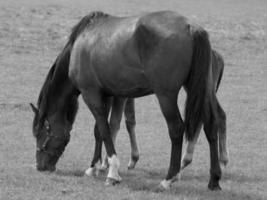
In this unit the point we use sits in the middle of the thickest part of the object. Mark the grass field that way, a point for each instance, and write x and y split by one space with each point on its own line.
32 33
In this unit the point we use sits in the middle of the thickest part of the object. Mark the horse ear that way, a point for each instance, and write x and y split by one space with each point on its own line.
34 109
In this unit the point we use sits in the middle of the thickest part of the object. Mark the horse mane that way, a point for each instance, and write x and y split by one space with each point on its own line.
85 22
58 73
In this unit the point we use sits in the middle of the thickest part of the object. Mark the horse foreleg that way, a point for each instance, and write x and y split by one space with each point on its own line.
91 171
97 104
129 113
211 131
117 107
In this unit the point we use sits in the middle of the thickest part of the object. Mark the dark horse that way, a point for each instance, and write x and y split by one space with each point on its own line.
122 57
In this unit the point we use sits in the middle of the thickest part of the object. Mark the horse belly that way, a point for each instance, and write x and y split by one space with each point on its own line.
123 80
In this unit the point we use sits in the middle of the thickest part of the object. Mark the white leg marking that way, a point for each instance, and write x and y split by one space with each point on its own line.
114 165
131 164
166 184
179 175
91 171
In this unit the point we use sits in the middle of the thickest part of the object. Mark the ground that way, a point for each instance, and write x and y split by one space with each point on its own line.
32 33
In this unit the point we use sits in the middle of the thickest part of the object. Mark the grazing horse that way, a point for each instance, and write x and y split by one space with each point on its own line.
129 113
128 57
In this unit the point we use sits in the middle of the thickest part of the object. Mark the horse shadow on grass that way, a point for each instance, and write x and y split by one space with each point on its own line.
76 173
191 184
194 185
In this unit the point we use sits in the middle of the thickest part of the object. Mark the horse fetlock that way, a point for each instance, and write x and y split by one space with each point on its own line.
166 184
134 159
224 160
92 172
214 182
187 159
214 186
113 172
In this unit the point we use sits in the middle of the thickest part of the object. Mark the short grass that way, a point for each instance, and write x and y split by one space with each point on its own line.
31 35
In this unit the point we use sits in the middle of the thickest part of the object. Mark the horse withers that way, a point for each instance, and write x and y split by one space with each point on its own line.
155 53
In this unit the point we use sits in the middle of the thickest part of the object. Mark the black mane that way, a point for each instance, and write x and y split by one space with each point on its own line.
58 73
85 22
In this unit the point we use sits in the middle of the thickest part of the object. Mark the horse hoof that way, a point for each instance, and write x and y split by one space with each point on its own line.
159 188
131 165
214 187
103 168
165 185
111 182
91 171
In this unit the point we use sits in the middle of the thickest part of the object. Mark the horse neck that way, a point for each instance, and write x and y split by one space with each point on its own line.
62 93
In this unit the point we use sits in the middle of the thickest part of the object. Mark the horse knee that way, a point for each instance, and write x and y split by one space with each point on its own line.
97 134
114 126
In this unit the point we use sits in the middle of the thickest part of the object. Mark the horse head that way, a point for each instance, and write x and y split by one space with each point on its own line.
52 135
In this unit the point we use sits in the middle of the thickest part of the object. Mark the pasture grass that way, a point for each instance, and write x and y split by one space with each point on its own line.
32 33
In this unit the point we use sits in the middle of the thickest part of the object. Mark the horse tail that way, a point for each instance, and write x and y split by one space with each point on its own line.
201 103
220 67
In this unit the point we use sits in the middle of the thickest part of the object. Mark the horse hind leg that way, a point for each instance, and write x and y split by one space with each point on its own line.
223 152
211 131
97 104
93 169
190 147
170 110
117 107
129 113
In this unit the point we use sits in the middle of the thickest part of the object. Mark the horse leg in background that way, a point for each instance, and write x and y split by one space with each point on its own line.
190 147
117 107
129 113
211 131
91 171
98 146
223 152
217 69
97 104
170 110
